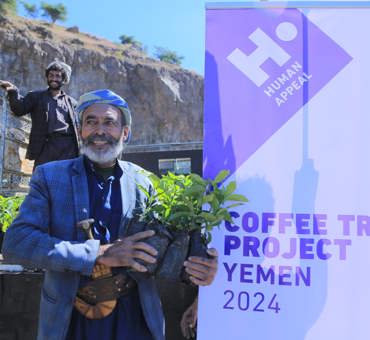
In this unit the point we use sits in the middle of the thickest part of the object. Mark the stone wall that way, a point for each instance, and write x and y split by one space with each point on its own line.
15 170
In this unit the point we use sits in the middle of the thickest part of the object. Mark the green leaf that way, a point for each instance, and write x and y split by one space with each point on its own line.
223 214
194 190
208 217
171 175
208 198
231 187
197 179
182 208
143 189
221 176
220 194
154 179
233 205
237 197
215 204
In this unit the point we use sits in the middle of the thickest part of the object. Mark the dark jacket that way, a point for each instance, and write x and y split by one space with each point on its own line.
35 103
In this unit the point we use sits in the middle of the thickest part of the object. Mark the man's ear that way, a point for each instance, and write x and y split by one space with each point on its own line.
125 133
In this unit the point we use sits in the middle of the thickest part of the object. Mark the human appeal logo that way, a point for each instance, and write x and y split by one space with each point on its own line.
288 76
262 66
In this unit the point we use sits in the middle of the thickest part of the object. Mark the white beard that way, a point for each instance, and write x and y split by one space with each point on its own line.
102 157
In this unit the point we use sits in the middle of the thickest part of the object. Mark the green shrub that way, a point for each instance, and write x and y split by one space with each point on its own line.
168 56
31 10
9 207
189 202
54 12
8 6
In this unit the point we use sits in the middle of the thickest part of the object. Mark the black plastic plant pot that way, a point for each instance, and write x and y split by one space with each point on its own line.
159 241
173 261
197 247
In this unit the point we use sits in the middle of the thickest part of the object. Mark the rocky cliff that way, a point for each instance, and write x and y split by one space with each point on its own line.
166 100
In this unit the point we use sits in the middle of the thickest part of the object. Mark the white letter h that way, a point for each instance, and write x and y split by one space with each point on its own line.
250 65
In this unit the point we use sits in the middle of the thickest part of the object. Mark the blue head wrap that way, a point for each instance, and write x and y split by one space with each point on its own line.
104 97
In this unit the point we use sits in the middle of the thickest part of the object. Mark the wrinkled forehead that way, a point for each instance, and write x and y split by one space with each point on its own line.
101 111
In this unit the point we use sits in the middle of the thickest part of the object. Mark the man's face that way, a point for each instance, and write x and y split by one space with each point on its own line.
55 79
102 133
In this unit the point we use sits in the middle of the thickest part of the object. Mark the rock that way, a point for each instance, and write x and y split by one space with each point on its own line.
73 29
92 36
3 19
43 32
76 41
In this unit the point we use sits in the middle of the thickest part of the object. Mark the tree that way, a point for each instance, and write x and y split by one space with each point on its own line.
127 39
130 40
31 10
54 12
168 56
8 6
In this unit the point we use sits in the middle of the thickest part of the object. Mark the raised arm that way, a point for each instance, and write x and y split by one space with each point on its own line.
19 105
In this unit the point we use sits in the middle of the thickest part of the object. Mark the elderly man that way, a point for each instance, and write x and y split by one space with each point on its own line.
95 188
54 130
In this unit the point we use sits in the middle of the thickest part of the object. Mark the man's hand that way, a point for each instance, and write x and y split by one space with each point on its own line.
189 319
6 85
202 270
125 252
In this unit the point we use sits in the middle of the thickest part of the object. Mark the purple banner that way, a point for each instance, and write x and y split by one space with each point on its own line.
262 67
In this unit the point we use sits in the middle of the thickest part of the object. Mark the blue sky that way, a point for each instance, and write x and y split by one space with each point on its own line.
178 25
